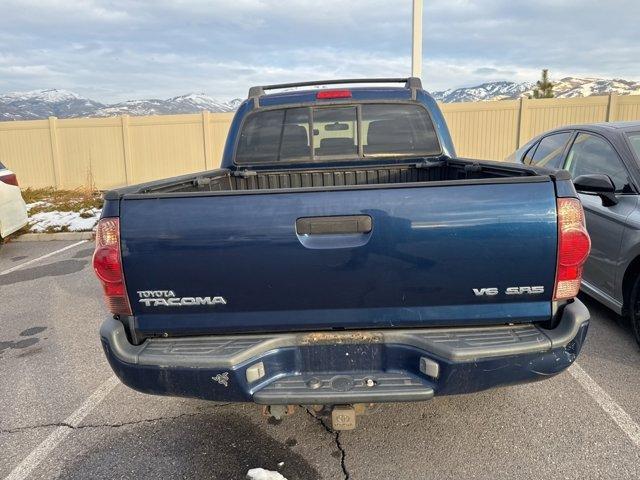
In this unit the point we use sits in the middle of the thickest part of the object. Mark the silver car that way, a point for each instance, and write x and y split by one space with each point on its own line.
604 161
13 211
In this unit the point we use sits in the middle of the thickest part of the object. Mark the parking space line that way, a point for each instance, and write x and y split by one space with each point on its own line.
608 404
18 267
54 439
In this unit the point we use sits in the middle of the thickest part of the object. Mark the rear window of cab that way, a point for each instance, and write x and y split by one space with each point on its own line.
338 131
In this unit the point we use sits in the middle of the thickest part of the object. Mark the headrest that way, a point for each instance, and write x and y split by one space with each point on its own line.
336 143
295 135
389 132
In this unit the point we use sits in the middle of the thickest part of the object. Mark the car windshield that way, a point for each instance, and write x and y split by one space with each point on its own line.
634 139
337 131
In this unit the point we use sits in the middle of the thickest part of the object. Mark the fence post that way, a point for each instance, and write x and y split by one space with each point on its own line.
612 108
126 147
523 122
206 135
55 153
519 123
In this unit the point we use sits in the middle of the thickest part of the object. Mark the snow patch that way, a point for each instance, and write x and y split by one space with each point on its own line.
39 203
262 474
83 221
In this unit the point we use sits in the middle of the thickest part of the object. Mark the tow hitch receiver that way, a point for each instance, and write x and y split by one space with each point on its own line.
343 417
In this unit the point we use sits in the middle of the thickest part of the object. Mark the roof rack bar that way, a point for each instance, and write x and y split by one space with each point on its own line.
410 82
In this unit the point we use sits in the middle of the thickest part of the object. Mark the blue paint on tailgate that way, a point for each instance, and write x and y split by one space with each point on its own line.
429 248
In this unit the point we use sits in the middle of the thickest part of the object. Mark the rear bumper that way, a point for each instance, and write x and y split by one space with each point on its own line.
346 367
16 216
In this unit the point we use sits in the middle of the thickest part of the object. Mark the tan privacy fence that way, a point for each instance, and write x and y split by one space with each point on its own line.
110 152
492 130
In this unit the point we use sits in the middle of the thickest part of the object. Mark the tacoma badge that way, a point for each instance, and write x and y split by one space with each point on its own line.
168 298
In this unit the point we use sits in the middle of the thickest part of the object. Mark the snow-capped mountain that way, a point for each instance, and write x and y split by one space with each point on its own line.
571 87
568 87
191 103
45 103
485 91
38 104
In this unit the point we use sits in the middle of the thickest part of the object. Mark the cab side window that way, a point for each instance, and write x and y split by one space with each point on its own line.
550 150
592 154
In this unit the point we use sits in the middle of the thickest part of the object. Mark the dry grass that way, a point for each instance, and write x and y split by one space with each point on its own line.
80 200
62 200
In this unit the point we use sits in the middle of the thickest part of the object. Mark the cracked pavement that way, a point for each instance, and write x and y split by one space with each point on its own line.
51 362
336 435
102 425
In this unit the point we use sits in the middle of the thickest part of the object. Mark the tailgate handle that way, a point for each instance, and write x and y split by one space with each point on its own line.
338 225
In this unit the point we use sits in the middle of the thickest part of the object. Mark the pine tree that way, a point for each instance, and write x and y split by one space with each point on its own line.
544 88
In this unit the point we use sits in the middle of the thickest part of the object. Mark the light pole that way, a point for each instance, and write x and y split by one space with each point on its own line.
416 51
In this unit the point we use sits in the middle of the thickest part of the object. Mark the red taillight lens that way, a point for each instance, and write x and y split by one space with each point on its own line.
9 179
573 248
107 264
327 94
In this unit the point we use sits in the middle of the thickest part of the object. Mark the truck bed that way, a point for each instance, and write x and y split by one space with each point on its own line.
441 170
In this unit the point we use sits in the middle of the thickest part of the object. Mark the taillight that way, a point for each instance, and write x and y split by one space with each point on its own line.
573 248
107 264
9 179
327 94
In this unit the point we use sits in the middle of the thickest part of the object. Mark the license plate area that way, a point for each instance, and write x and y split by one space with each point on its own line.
341 358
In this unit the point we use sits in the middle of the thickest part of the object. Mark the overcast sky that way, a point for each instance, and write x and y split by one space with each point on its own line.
122 49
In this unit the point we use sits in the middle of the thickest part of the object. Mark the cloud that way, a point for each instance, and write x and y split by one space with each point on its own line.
114 50
21 70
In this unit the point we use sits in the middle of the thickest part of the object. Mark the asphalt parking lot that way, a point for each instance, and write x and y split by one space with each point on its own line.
63 415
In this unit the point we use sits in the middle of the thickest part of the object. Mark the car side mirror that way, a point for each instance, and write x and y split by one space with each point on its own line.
597 184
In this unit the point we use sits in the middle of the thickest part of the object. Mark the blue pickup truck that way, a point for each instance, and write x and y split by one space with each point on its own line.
342 255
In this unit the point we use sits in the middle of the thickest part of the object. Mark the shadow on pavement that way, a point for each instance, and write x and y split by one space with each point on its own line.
63 267
220 446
